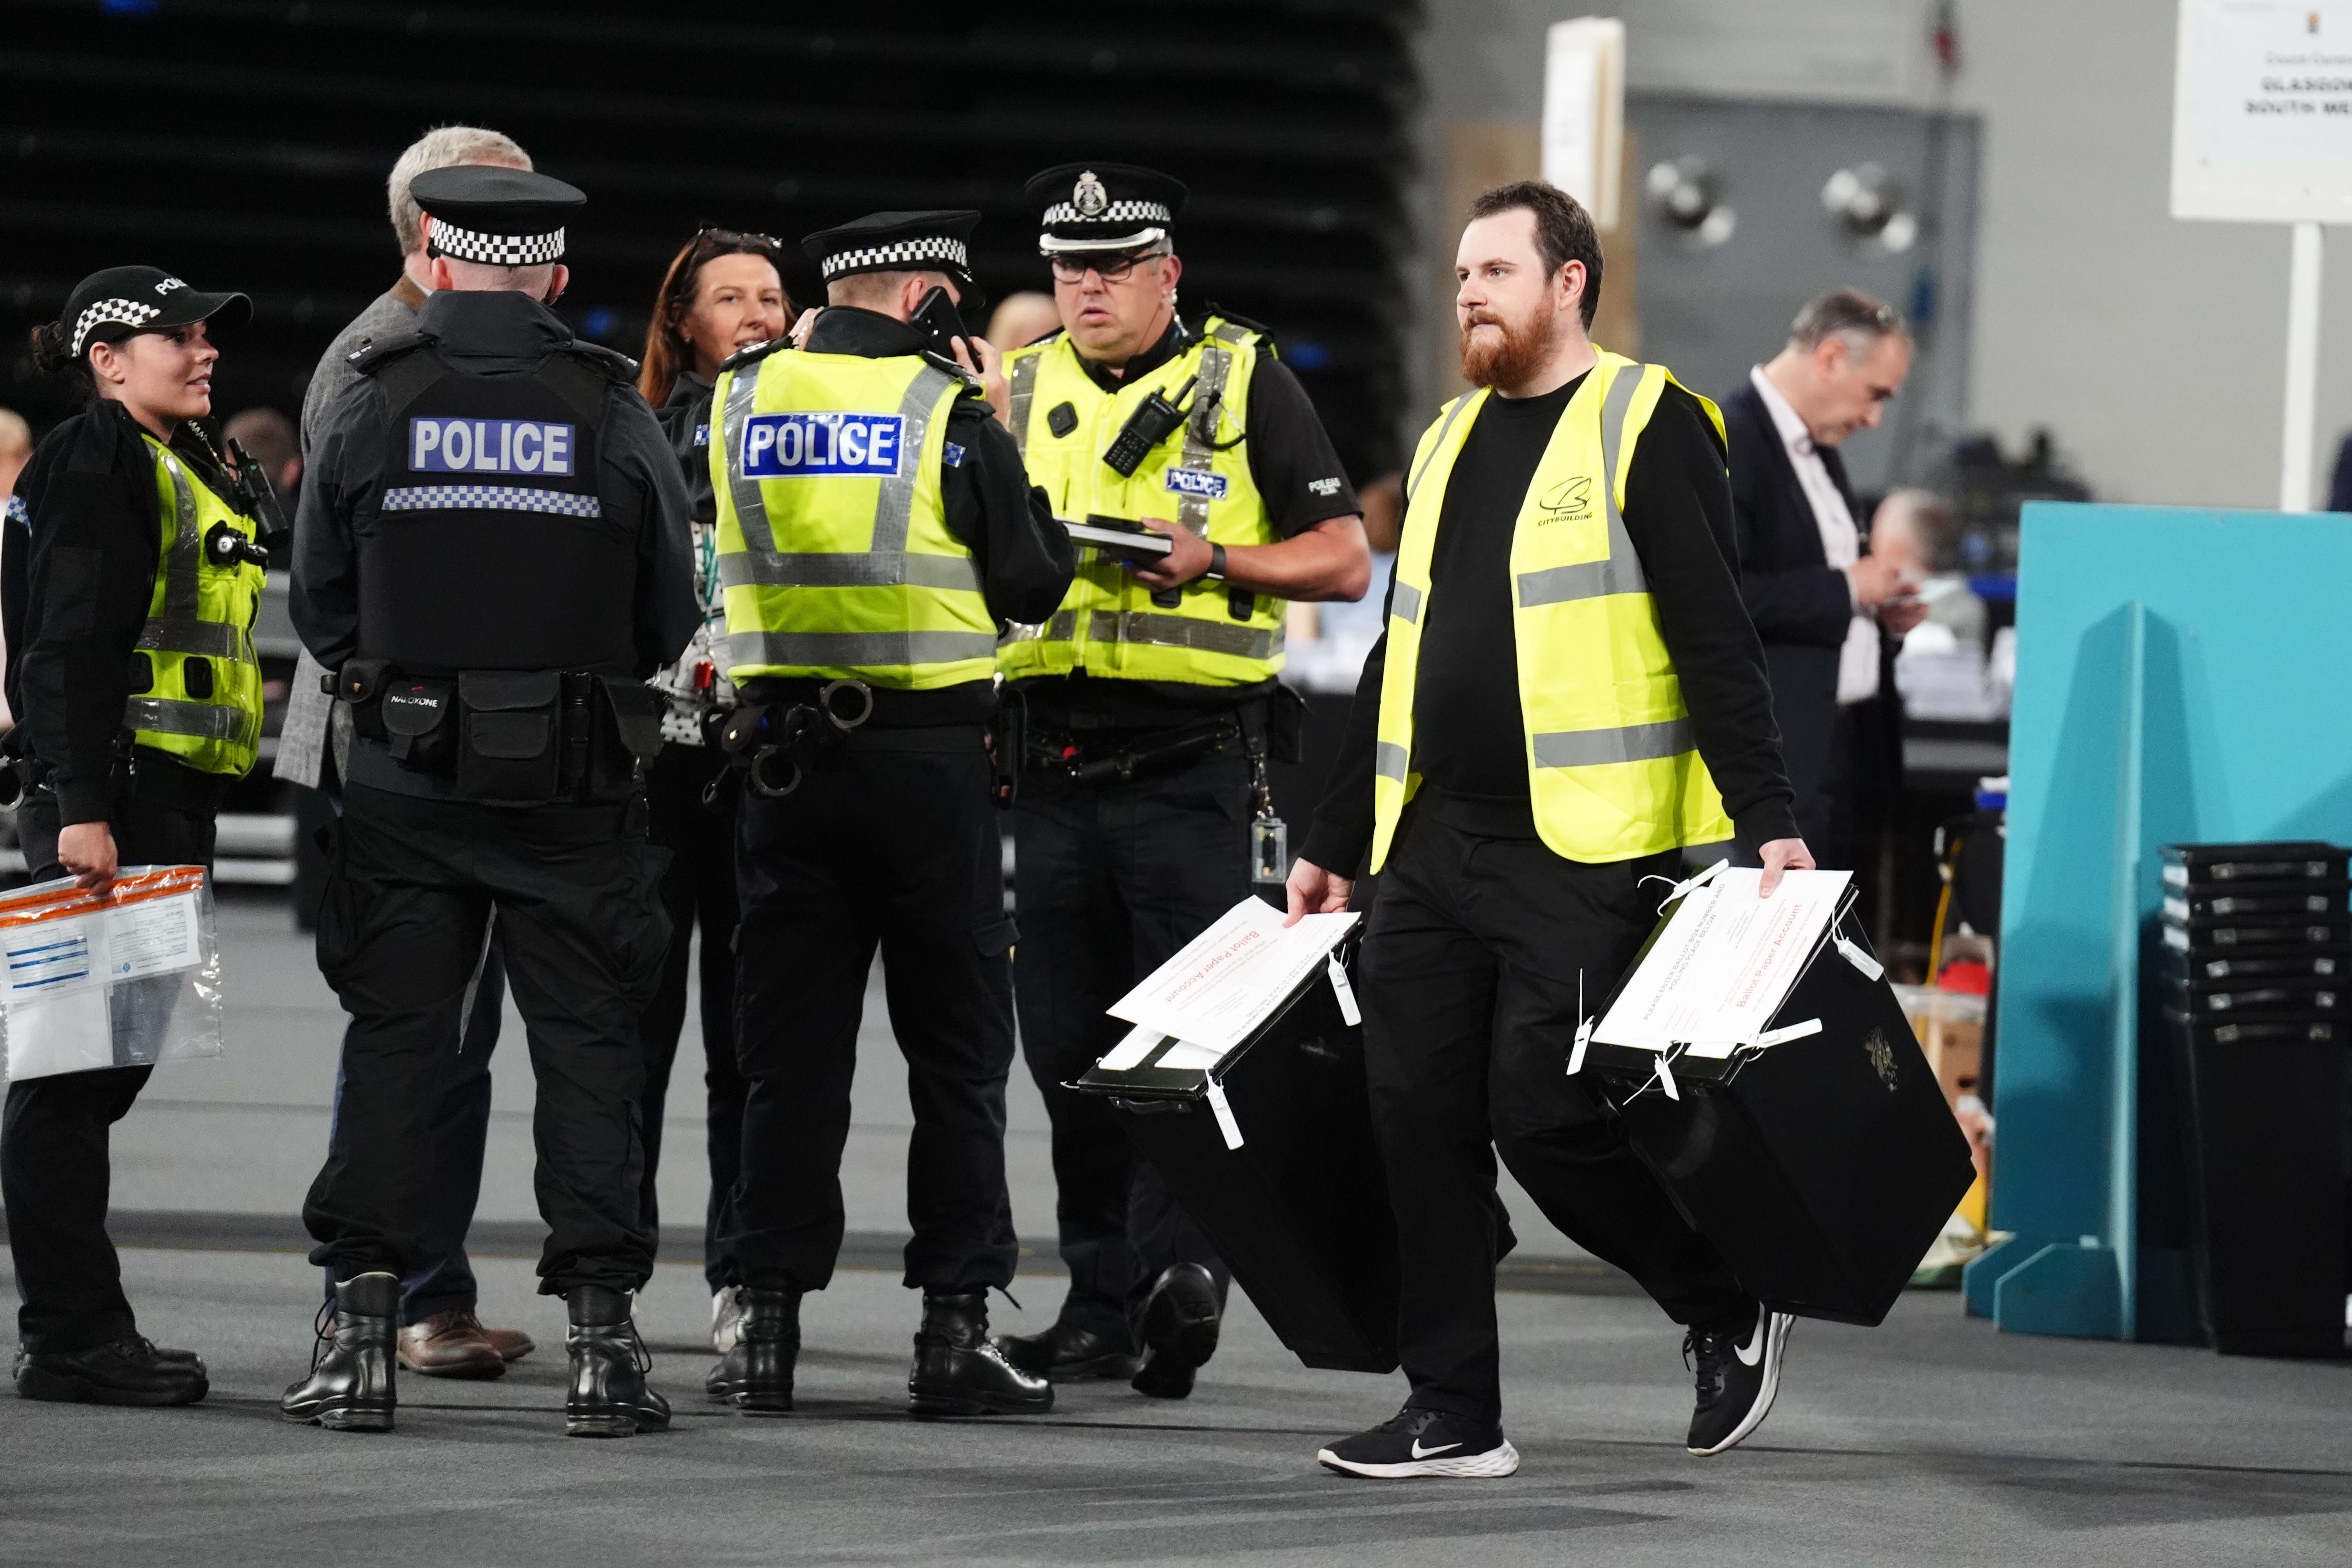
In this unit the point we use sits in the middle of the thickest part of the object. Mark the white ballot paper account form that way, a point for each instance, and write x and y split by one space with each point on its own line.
1222 984
1724 964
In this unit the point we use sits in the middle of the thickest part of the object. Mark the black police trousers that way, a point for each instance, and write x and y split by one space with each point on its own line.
697 887
897 846
1109 883
53 1170
1478 955
400 931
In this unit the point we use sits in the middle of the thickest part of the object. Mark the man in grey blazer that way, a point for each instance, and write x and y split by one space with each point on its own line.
439 1334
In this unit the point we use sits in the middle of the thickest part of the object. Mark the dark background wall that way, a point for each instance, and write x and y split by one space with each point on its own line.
243 144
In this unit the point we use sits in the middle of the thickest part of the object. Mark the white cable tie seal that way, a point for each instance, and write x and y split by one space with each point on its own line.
1851 952
1349 1012
1224 1109
1781 1036
1687 883
1667 1078
1576 1055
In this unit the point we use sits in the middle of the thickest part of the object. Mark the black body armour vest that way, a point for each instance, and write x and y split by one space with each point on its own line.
490 548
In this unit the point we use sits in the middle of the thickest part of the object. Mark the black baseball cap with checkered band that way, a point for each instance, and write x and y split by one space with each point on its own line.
110 306
900 242
499 217
1103 206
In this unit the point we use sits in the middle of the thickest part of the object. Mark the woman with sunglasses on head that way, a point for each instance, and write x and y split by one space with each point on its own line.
723 293
131 668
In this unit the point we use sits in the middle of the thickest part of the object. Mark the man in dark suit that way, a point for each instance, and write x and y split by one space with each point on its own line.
1816 593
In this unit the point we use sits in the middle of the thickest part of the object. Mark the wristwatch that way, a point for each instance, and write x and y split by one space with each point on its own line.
1216 572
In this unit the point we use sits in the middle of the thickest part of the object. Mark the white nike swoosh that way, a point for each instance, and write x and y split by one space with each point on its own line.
1420 1453
1752 1353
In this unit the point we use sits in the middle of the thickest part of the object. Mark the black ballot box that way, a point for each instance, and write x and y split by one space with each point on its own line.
1299 1210
1821 1167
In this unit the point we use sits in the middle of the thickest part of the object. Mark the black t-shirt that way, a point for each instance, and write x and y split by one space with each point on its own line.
1469 732
1294 468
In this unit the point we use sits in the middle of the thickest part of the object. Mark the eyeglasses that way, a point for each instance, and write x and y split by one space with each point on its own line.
1114 269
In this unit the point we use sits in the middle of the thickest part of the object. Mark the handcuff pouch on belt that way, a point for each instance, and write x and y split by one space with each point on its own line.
778 746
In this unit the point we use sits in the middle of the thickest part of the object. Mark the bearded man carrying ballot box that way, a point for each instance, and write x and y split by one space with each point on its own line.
1568 694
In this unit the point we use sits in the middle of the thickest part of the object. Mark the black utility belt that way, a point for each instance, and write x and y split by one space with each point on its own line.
1092 761
509 737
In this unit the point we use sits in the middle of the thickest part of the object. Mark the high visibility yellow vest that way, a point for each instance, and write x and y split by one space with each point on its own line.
202 702
1613 770
1107 625
835 556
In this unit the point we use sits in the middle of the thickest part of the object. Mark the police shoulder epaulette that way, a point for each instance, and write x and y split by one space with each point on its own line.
371 355
754 353
1217 312
612 362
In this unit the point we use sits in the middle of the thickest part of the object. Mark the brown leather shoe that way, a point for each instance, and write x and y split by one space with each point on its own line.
512 1344
450 1344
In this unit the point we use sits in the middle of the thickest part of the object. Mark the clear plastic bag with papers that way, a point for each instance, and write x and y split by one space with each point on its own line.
127 977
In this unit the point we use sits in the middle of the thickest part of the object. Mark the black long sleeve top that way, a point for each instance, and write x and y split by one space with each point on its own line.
1469 732
79 582
490 334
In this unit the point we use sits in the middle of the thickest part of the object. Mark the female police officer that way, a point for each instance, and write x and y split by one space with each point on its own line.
131 669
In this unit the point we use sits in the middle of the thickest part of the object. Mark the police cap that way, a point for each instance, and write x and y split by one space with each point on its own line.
900 242
110 306
1103 206
499 217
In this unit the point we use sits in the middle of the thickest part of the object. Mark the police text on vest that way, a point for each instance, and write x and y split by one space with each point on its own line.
488 446
790 445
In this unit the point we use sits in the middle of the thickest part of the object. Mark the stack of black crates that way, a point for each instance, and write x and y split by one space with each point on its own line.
2257 991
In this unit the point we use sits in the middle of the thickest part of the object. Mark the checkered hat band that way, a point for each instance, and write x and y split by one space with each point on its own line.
1117 212
909 253
130 313
489 497
498 249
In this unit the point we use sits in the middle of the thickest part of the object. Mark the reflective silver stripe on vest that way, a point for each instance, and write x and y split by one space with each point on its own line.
1632 743
751 510
186 554
861 650
206 720
894 513
1199 456
1184 631
1438 445
1025 387
1389 758
1405 604
1061 627
769 569
167 634
1621 572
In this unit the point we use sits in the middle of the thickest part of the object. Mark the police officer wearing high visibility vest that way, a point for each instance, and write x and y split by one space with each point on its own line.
491 555
1148 696
1568 692
874 532
130 605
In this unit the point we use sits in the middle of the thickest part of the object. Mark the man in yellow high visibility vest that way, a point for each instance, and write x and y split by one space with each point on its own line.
1568 693
1147 694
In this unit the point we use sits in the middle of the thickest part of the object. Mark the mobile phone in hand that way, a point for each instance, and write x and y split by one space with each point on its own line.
942 328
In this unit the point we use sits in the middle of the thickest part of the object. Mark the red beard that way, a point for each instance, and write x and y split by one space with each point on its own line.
1520 352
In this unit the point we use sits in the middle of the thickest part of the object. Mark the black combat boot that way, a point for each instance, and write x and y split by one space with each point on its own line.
756 1376
959 1371
1069 1354
608 1397
350 1388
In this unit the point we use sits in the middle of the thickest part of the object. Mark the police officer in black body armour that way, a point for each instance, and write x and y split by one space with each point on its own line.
491 555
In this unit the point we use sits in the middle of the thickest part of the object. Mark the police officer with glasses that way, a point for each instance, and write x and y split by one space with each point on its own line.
876 532
130 603
1148 696
491 556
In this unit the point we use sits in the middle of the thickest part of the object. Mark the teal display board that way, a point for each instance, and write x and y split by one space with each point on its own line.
2182 676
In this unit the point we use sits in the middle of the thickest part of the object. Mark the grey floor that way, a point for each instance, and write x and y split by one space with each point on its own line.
1931 1439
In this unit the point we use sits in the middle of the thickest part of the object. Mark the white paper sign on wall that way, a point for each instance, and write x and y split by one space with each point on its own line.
1584 112
2261 115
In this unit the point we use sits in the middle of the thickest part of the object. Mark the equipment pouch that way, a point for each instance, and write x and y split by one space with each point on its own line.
360 682
508 754
413 717
636 711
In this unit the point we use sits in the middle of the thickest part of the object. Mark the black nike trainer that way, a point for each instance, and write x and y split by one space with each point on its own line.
1423 1443
1738 1373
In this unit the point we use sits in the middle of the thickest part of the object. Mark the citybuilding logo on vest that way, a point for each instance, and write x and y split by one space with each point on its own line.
796 445
1193 482
490 447
1568 502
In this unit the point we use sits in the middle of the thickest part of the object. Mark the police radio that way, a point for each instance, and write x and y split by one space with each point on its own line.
1153 421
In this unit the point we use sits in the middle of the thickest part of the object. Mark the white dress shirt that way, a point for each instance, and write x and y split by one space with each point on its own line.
1841 538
